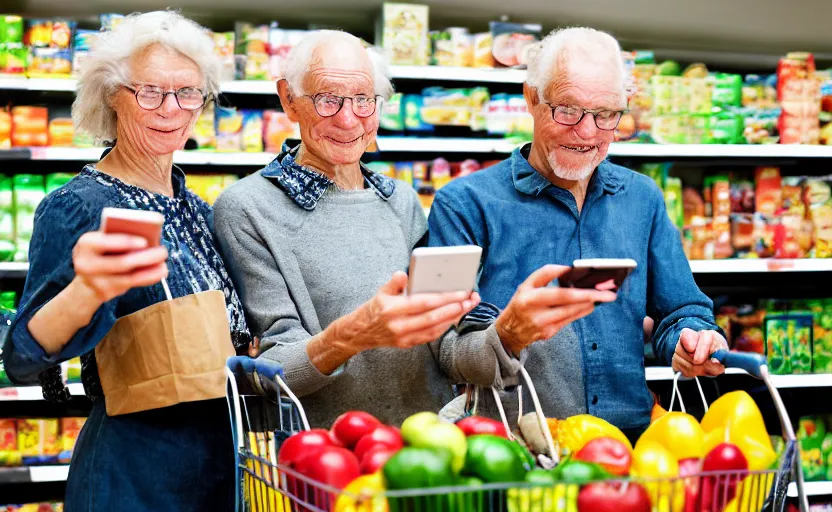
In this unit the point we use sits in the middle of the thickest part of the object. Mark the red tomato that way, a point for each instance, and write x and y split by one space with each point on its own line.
381 436
613 497
718 490
302 443
375 458
352 426
475 425
332 465
611 454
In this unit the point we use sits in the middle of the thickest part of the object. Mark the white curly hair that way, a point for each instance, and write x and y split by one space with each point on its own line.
108 65
297 62
575 44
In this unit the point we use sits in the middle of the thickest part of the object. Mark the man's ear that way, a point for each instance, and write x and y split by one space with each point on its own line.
287 100
532 98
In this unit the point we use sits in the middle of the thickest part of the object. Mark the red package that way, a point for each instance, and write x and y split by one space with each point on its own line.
8 435
30 126
769 194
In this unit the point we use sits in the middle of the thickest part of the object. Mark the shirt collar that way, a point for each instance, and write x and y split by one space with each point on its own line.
530 182
305 186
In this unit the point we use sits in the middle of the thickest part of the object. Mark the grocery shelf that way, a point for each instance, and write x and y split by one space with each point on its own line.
34 474
444 145
10 269
180 157
33 393
730 266
38 84
812 489
443 73
819 380
720 150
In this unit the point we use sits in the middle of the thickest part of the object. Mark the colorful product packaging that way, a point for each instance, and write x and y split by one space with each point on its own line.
81 47
789 343
826 110
402 31
28 192
815 438
512 42
822 337
252 42
224 50
252 134
30 126
205 134
7 220
70 430
229 129
277 127
769 193
38 440
5 129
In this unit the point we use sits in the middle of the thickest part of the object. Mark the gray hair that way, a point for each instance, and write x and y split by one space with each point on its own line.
297 62
563 45
107 67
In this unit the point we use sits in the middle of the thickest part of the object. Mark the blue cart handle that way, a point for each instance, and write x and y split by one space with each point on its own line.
751 363
253 375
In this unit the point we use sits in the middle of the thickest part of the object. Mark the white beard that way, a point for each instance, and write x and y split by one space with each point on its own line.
579 174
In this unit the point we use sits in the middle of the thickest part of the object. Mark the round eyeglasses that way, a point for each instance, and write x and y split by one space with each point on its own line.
150 97
327 105
570 116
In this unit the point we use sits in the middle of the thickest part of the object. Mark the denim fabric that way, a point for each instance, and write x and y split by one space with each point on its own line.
523 222
177 458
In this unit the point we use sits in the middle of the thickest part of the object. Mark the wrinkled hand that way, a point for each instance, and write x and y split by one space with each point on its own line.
537 312
391 319
109 265
693 351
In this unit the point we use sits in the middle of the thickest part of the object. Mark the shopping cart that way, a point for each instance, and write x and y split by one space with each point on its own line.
264 412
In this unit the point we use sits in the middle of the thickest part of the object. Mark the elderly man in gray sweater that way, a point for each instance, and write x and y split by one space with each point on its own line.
317 245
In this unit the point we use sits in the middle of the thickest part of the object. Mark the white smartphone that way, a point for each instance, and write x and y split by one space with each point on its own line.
143 223
444 269
589 273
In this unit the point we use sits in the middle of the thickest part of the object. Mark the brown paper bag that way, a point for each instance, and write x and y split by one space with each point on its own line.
168 353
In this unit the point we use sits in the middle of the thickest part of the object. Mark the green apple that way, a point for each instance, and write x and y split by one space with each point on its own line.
427 430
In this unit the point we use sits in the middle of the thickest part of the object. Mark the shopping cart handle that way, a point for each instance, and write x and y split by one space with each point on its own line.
255 375
752 363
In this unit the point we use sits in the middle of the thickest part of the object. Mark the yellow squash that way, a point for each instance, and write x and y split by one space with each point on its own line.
364 494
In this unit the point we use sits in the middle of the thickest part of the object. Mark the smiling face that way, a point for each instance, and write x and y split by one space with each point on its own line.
165 129
341 69
573 152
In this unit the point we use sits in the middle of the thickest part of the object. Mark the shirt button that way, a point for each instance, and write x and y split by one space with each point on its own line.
594 346
594 399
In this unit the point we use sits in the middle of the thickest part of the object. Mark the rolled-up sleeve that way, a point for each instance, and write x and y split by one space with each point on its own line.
674 300
270 310
60 220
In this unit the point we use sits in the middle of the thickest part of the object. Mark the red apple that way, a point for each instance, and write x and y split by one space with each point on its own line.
476 425
383 435
352 426
689 469
375 458
718 490
611 454
332 465
302 443
613 497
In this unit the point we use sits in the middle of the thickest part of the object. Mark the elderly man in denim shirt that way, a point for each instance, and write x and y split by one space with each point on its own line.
557 200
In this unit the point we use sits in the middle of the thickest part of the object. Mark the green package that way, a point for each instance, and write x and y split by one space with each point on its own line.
7 247
673 201
28 192
391 117
57 180
788 341
826 450
7 312
811 435
657 172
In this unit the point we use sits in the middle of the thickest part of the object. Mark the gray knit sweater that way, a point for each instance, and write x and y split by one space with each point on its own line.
298 270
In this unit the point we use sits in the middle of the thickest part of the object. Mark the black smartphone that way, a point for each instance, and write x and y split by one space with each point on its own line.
590 273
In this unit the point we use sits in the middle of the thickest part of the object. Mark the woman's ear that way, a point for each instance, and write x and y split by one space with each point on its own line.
287 100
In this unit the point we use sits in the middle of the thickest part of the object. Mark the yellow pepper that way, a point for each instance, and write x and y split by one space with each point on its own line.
363 495
574 432
680 433
759 456
752 492
737 413
652 461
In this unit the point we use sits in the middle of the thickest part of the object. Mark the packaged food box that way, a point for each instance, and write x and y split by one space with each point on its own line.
390 116
402 31
224 50
252 134
511 42
229 129
822 336
5 129
61 131
9 454
789 343
453 47
81 47
28 191
11 28
815 439
38 440
483 51
281 42
72 370
70 430
769 193
252 41
826 110
30 126
277 127
7 220
204 133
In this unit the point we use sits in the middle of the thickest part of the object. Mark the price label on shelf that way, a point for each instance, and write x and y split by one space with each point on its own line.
9 394
780 265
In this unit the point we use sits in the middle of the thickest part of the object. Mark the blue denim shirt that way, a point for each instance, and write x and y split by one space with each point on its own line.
523 222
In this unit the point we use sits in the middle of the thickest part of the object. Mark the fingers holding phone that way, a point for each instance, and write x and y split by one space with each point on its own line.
538 311
125 253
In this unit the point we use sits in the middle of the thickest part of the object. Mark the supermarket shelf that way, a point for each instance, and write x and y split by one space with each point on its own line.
812 489
820 380
13 269
730 266
38 84
444 145
506 76
720 150
34 474
180 157
33 393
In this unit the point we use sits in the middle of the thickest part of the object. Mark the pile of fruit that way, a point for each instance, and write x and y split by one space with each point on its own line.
677 465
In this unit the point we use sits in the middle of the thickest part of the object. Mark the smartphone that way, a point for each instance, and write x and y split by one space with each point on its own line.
444 269
143 223
590 273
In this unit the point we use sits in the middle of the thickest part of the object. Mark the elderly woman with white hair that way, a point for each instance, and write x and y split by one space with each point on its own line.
142 88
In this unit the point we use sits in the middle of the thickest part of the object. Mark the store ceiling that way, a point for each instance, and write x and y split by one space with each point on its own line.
755 29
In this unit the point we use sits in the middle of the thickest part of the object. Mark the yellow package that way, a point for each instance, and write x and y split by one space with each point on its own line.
70 430
36 437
